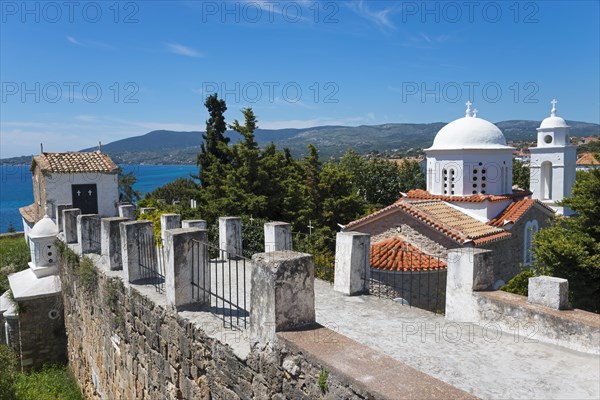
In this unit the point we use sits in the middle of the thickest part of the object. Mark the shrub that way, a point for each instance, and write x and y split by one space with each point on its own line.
51 383
520 283
8 372
14 257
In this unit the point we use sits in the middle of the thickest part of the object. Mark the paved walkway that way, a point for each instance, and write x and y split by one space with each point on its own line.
478 359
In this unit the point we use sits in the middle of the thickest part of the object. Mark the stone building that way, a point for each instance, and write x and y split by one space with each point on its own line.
469 203
84 180
33 321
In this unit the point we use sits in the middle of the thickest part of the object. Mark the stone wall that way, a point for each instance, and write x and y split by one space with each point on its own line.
125 343
425 290
42 332
574 329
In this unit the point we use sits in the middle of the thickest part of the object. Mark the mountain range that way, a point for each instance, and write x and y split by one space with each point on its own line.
171 147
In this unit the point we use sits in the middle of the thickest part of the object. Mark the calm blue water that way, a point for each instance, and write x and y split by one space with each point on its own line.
16 189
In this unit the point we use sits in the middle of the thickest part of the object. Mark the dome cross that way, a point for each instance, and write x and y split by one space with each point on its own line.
553 111
468 111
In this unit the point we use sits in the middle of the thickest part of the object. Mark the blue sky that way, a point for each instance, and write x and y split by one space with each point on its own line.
101 71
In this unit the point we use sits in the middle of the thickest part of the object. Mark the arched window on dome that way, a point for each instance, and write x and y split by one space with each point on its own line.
530 229
546 172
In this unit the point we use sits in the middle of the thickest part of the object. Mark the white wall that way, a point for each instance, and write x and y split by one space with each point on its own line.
58 190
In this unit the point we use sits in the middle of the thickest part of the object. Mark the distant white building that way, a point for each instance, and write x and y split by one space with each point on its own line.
587 161
553 163
85 180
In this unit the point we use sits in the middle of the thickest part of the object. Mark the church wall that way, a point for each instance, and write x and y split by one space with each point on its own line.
58 190
397 220
508 254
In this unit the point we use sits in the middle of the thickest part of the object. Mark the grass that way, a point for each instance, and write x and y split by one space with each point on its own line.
50 383
14 256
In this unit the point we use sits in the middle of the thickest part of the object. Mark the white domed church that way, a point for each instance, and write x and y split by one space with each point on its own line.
470 200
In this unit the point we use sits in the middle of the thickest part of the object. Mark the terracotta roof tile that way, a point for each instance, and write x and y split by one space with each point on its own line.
395 254
456 225
587 159
75 162
29 213
419 194
515 211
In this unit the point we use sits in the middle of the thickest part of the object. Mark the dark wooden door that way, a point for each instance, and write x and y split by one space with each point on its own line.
85 197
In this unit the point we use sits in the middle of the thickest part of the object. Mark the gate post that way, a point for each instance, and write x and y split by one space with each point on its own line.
194 223
70 224
278 236
230 236
179 257
352 264
59 215
127 211
130 247
111 241
168 221
88 233
282 294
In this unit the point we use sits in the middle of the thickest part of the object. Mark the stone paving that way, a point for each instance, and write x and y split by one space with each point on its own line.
481 360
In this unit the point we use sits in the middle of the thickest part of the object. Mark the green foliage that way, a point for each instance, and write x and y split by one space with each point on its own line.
520 283
127 194
214 149
520 174
50 383
14 256
8 372
114 288
322 381
87 273
181 189
591 147
570 247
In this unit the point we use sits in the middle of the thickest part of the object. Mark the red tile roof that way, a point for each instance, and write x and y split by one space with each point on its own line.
587 159
515 211
397 255
419 194
452 223
75 162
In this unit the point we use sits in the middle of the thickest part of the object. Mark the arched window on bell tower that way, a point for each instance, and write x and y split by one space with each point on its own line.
546 175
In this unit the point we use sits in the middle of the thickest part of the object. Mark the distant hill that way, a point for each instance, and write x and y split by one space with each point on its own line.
170 147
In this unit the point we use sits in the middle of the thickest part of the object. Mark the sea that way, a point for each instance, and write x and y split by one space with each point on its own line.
16 189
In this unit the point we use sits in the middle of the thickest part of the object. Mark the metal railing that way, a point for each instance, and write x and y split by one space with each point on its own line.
220 280
151 257
410 277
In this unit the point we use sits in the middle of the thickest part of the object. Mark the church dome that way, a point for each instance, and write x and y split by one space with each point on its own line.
469 132
44 228
553 121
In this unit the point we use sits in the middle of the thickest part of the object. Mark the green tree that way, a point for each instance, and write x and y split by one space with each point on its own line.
127 194
520 174
570 247
214 148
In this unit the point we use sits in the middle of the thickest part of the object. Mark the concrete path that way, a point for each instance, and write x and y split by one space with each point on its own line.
481 360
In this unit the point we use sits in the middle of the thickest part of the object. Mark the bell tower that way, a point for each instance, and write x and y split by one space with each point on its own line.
553 163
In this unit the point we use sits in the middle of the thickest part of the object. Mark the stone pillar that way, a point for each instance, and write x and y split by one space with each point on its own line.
88 233
169 221
147 210
549 291
127 211
278 236
230 236
282 293
194 223
352 263
183 259
70 224
130 247
58 214
110 235
469 269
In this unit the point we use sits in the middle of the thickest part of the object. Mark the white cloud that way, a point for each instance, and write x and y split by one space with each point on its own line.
72 40
182 50
381 18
